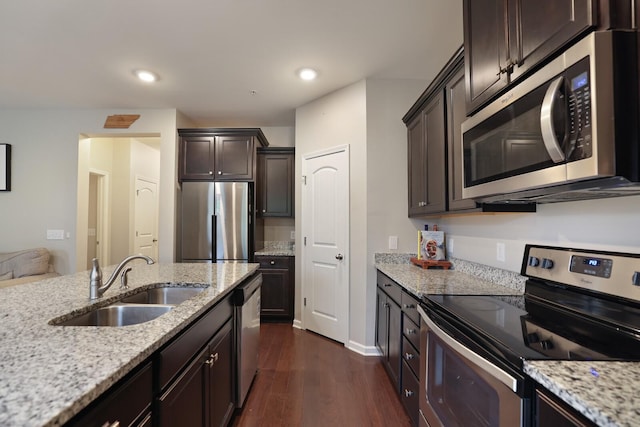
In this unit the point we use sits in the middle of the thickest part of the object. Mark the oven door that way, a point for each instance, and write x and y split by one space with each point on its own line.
460 388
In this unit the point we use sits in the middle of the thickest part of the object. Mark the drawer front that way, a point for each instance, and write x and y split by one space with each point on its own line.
409 393
281 262
390 287
410 307
177 354
411 356
410 330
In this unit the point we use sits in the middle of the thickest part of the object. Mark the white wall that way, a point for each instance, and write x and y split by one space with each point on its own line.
44 175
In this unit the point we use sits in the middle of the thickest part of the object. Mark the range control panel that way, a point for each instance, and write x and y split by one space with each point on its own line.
614 273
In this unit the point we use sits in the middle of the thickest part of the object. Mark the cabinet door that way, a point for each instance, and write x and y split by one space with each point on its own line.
234 158
538 29
456 114
485 49
196 157
185 401
382 324
551 411
395 341
435 140
221 379
275 194
416 165
275 295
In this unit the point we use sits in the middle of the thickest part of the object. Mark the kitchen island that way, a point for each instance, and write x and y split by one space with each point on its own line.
50 373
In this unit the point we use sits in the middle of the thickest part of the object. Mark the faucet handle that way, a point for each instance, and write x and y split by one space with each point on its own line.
123 278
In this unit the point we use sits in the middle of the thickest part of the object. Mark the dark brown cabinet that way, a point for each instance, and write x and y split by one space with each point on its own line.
551 411
278 290
275 183
223 154
426 149
127 403
505 39
398 340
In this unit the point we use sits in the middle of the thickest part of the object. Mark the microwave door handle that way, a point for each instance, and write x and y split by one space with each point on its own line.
546 122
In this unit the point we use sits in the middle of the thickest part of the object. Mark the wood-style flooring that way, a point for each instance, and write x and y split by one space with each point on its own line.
307 380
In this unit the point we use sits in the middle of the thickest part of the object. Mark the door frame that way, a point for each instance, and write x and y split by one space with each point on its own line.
103 223
304 224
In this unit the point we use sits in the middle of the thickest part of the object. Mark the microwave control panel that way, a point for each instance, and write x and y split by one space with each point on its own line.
578 89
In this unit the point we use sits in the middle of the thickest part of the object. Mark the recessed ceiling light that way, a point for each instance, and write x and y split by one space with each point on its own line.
146 76
307 74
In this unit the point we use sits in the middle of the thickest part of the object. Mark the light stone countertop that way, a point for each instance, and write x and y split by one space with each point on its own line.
607 393
49 373
275 252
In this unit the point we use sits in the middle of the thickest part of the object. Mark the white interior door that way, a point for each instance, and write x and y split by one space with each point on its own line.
146 218
325 251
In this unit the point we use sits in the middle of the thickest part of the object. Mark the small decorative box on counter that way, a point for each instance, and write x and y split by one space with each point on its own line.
431 245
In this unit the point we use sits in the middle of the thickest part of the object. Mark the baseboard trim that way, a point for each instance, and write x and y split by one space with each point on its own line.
297 324
363 350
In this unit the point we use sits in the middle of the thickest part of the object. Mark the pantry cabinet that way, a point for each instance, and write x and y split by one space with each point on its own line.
506 39
223 154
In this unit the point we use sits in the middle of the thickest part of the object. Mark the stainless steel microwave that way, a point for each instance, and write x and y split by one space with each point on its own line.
569 131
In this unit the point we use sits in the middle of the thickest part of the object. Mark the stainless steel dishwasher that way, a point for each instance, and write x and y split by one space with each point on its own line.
247 318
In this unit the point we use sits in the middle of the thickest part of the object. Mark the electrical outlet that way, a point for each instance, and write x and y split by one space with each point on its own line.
450 246
500 252
293 235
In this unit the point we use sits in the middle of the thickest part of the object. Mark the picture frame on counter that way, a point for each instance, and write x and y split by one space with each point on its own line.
5 167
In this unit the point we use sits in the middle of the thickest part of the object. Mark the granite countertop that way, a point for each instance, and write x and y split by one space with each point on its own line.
607 393
49 373
275 252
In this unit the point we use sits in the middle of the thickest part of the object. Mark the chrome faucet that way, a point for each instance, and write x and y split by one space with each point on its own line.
96 288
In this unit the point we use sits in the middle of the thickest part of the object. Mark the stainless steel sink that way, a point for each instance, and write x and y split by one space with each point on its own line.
163 295
118 315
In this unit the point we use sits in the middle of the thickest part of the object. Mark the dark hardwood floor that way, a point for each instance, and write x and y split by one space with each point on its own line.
307 380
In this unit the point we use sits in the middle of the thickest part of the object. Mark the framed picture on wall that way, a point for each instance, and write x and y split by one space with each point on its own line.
5 167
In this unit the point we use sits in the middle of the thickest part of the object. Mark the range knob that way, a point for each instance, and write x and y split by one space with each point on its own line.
533 338
635 279
547 263
546 344
534 261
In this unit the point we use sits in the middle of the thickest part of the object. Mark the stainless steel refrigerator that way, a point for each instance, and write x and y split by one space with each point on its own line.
215 221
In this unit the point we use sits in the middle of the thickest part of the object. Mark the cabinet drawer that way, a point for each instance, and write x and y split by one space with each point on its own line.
177 354
273 261
136 391
410 307
411 356
390 287
409 393
411 330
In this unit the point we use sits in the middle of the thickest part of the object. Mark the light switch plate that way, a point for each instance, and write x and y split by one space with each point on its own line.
293 235
393 242
55 234
500 252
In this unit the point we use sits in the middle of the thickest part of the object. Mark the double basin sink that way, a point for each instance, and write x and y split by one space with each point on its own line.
140 307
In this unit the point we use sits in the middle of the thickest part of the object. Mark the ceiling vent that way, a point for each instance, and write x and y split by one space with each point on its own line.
120 121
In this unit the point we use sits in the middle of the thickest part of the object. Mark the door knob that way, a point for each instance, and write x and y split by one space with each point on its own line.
339 257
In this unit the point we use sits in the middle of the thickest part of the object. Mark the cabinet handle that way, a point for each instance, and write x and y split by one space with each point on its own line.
386 285
111 424
272 262
210 172
219 172
409 356
386 305
264 210
408 393
213 358
410 331
409 305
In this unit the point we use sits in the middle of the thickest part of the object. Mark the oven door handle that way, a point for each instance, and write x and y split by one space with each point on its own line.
546 121
469 355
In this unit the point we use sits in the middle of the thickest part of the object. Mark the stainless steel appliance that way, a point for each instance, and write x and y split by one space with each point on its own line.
569 131
215 221
247 323
578 305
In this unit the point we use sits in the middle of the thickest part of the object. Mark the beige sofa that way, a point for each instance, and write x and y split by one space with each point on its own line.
25 266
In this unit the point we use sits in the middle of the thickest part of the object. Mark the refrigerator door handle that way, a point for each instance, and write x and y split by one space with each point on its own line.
214 237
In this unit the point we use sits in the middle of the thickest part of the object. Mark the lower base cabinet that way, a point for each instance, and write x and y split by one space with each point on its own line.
551 411
277 291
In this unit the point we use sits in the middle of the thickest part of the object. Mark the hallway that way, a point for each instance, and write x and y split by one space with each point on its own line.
307 380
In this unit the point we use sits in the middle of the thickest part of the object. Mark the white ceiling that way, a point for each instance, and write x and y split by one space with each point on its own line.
210 54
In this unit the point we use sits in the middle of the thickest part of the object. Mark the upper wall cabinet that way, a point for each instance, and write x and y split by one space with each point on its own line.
275 182
435 143
505 39
223 154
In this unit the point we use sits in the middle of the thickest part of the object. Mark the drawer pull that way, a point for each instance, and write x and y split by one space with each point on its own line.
409 356
272 262
387 285
409 305
409 331
408 393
